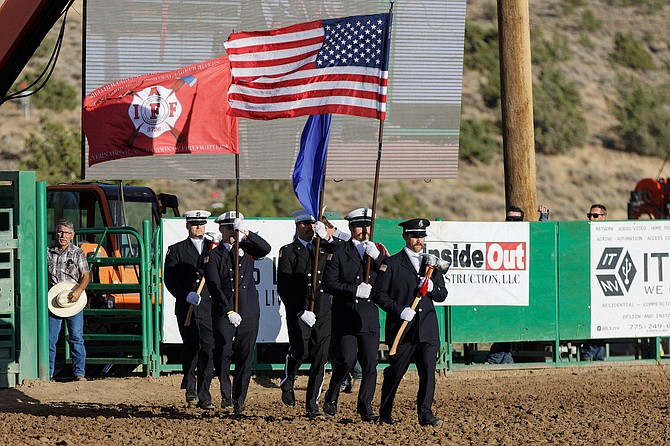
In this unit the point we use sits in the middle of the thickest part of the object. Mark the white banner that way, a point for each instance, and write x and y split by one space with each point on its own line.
630 279
273 315
489 261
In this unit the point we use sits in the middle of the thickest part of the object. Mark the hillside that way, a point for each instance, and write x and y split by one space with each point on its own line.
568 184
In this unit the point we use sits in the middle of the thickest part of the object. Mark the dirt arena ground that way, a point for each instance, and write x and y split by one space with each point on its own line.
600 404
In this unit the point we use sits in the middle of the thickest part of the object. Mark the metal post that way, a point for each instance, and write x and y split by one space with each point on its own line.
42 284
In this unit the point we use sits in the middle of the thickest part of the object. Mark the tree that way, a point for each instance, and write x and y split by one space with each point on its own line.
54 152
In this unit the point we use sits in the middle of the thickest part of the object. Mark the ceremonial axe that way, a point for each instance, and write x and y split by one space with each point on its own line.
432 263
215 238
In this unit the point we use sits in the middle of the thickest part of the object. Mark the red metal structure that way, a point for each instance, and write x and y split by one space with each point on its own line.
650 199
24 23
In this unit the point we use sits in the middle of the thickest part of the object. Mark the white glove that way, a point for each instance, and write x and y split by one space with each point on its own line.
371 250
320 230
430 283
235 318
363 290
342 235
308 317
193 298
407 314
238 225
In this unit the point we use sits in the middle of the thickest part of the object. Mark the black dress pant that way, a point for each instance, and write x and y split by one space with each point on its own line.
197 355
349 348
306 342
424 355
234 345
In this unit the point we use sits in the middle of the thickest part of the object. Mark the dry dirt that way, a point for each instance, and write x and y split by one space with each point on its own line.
587 405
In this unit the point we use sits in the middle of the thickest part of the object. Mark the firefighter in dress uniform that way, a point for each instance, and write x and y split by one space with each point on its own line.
308 331
235 329
183 272
355 317
397 284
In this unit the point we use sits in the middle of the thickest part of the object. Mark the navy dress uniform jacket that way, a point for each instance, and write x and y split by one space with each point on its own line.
183 269
395 289
294 278
344 272
220 275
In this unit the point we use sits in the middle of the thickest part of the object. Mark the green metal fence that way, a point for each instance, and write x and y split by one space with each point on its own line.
558 310
19 332
120 335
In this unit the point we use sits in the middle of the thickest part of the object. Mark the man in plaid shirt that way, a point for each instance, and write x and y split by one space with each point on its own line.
67 262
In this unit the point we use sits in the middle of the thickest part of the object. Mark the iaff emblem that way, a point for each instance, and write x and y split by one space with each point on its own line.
155 110
621 268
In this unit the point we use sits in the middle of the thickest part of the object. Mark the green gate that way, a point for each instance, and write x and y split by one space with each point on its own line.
115 335
19 233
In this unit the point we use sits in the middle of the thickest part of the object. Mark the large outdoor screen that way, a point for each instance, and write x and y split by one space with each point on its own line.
125 38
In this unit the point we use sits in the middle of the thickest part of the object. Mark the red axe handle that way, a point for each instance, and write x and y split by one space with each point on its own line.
422 292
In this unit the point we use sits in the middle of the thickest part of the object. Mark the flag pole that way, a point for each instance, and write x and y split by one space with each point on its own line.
236 282
368 264
375 188
317 246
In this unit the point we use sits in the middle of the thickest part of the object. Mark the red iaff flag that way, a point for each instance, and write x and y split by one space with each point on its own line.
182 111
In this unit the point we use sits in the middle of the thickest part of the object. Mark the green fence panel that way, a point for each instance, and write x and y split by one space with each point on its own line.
18 287
574 298
537 321
131 329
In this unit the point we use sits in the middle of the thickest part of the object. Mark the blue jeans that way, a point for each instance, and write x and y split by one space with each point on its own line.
500 353
75 326
593 352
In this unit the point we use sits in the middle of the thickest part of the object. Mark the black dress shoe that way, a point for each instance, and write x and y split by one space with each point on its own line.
431 421
386 419
191 398
316 415
288 396
238 411
370 417
330 407
206 405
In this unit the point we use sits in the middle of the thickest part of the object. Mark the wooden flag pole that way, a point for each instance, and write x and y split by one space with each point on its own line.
236 282
317 245
368 264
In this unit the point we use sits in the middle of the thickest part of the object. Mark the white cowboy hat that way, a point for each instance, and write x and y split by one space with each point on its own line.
59 304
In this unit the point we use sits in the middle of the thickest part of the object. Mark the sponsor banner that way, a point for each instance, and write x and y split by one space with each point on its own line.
273 315
489 261
630 279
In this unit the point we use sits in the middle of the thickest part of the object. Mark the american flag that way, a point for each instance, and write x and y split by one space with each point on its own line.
325 66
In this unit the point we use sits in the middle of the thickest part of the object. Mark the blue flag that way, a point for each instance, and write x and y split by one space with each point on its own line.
311 160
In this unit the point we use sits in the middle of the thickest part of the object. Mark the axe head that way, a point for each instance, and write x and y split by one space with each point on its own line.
214 237
436 262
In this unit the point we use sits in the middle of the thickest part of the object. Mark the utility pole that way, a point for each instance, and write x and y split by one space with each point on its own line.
516 85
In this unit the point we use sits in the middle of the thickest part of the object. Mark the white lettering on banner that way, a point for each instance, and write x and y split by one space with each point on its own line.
628 278
505 256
